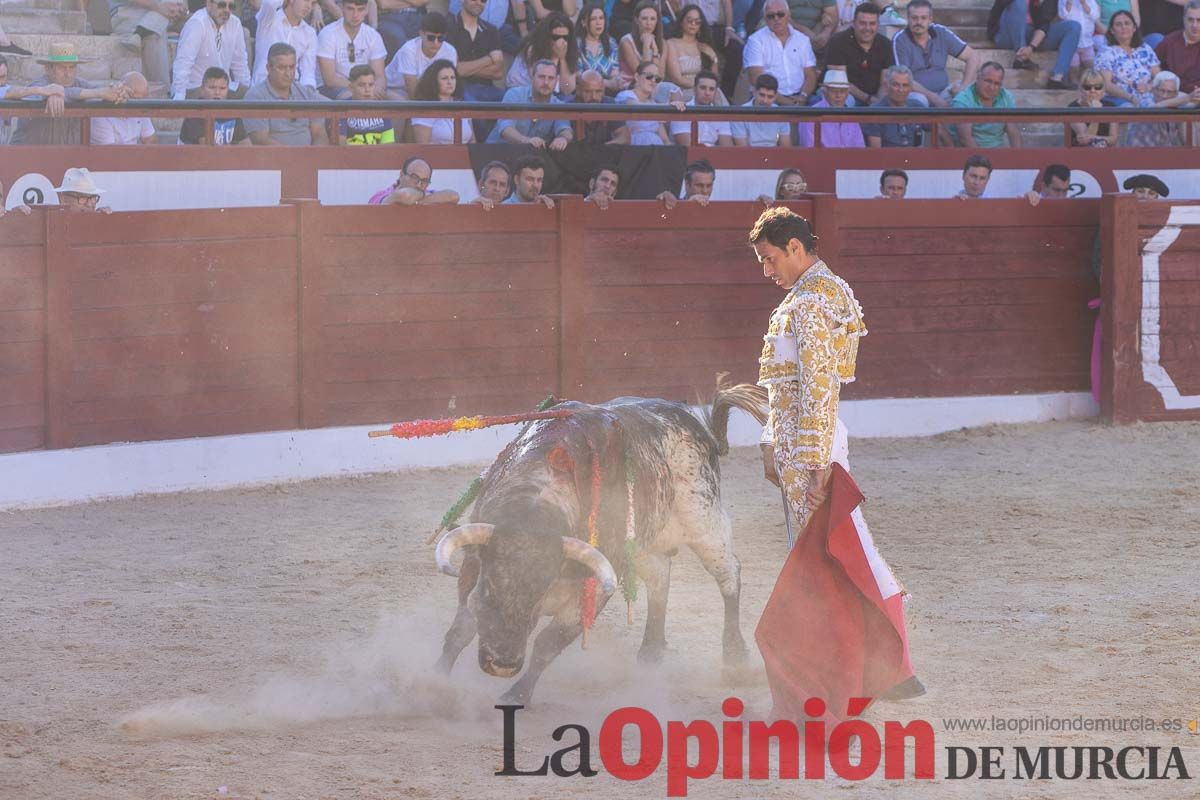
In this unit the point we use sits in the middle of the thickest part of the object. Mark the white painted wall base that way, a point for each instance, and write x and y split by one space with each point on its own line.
58 477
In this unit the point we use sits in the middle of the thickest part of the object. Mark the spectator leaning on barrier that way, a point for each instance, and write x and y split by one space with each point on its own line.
645 131
495 182
836 90
439 83
1053 184
589 89
779 50
538 133
987 92
1024 26
412 187
226 131
480 57
1146 187
529 175
789 186
1091 95
698 180
126 130
1179 52
61 83
772 133
284 21
8 92
1164 94
79 193
977 171
20 208
897 85
411 60
212 37
708 133
365 130
864 53
924 47
149 20
281 86
602 186
346 43
893 184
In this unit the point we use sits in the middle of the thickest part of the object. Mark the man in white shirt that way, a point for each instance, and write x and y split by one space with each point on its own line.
345 44
708 133
212 37
284 21
126 130
417 54
779 49
771 133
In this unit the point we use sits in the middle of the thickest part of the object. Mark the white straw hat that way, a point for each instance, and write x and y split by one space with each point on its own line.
79 181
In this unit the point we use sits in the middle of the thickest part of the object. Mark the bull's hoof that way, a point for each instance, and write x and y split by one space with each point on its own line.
652 653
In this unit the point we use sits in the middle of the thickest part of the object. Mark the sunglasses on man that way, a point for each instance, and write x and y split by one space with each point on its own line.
435 37
775 15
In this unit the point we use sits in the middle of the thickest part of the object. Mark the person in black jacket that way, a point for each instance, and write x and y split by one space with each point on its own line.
1007 27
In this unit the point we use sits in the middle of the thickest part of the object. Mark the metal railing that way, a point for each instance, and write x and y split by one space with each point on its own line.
582 113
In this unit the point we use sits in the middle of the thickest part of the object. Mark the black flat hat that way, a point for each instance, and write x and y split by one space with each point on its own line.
1147 182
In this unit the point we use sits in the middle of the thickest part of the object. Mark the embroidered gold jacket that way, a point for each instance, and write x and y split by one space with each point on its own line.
808 353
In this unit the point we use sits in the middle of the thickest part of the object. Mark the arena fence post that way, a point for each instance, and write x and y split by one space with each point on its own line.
310 240
572 298
828 227
1121 293
59 360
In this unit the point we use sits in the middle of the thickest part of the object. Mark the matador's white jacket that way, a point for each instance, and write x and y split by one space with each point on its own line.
808 353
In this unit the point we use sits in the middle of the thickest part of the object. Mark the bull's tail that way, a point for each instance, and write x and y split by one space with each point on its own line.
746 396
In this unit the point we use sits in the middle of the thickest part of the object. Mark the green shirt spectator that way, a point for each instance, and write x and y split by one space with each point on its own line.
987 92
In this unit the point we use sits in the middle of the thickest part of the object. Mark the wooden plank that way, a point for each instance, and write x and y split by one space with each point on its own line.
164 408
1176 265
1017 242
183 378
397 249
573 299
1122 292
23 326
252 225
24 415
397 220
21 357
22 439
874 215
668 299
441 335
163 262
424 365
193 348
17 230
310 286
535 384
183 318
464 306
58 348
152 429
119 290
407 278
1171 295
372 410
996 266
22 389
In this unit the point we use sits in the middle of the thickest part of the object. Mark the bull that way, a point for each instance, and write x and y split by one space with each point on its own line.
526 553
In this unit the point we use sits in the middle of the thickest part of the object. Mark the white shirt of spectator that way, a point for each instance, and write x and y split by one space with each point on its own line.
121 130
785 61
273 27
761 134
197 52
706 132
442 129
410 59
334 43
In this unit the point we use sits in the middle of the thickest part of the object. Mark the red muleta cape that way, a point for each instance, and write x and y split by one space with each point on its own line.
827 631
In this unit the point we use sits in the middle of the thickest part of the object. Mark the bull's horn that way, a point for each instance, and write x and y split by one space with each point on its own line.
593 559
471 533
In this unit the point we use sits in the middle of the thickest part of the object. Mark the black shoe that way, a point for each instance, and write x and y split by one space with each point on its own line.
14 50
907 690
1055 83
1023 63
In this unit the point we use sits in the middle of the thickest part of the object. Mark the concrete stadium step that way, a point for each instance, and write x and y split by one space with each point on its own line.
42 20
1044 98
7 6
103 57
1013 78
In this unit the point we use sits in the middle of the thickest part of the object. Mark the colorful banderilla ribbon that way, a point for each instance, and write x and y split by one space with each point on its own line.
421 428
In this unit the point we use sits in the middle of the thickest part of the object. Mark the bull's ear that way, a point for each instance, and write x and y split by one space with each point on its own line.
560 461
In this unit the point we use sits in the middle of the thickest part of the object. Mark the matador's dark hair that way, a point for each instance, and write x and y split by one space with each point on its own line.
780 225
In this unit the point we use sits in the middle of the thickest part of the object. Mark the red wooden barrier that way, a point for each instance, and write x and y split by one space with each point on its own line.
172 324
1151 310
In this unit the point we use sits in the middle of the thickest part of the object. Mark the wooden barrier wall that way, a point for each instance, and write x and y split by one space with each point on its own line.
171 324
1151 310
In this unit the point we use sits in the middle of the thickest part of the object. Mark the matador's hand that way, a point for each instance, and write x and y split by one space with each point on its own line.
768 457
818 488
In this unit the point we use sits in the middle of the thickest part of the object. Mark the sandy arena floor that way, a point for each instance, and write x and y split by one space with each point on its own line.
277 643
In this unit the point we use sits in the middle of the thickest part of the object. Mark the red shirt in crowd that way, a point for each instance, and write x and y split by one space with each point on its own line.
1181 58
